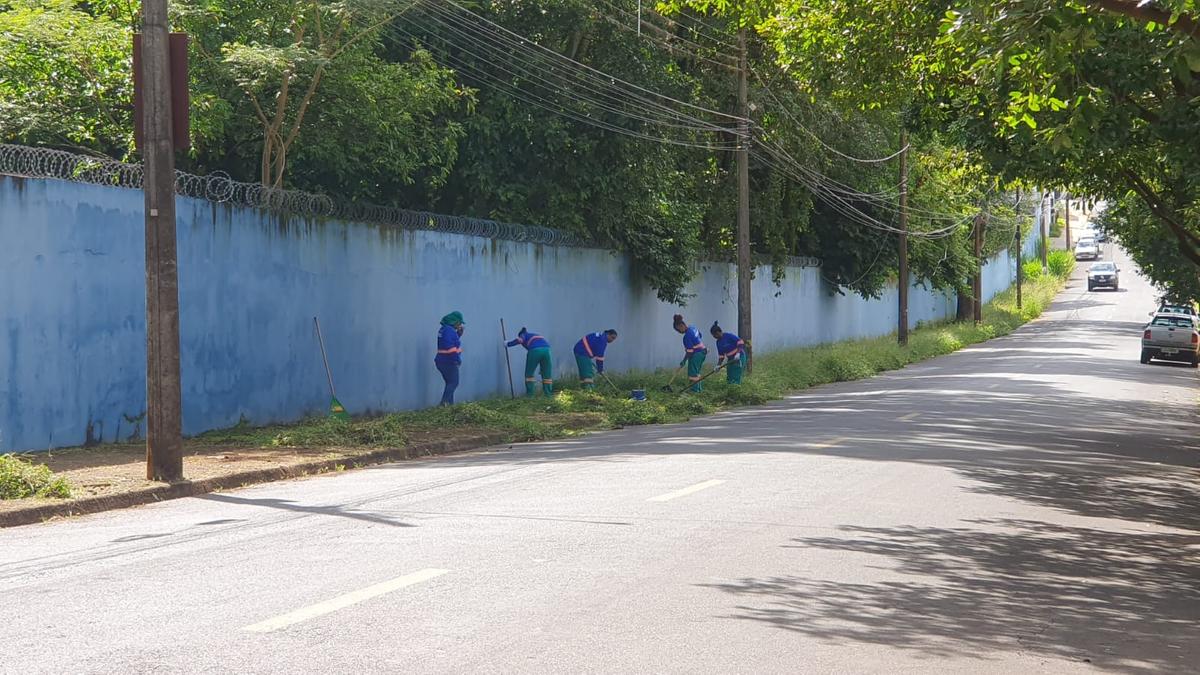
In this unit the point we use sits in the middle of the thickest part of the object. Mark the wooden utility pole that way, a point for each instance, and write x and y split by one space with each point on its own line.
977 282
744 262
164 442
902 284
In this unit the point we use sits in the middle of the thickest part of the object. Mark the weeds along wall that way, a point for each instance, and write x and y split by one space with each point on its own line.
72 312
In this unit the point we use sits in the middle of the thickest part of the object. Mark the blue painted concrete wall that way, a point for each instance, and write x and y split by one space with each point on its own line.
72 312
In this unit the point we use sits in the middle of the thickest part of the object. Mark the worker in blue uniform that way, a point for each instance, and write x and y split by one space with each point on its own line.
730 348
694 351
449 354
589 355
537 357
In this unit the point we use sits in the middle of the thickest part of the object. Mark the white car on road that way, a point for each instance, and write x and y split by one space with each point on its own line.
1087 249
1172 337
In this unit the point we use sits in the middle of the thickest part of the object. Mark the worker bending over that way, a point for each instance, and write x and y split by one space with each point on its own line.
589 356
694 351
730 348
537 355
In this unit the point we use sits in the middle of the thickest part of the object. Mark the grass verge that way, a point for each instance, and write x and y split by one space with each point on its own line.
20 479
572 410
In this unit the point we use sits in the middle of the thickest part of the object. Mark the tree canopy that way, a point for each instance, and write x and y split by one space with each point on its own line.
615 120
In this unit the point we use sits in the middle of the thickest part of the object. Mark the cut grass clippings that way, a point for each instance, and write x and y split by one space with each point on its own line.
20 479
573 410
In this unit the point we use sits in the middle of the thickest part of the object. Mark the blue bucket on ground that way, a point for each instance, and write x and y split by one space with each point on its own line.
638 394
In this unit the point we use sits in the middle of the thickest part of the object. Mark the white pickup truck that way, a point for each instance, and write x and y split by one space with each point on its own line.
1172 337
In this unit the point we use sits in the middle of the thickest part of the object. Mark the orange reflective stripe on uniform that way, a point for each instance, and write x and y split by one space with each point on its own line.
452 350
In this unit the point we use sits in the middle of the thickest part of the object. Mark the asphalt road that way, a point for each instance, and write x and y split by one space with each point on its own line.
1028 505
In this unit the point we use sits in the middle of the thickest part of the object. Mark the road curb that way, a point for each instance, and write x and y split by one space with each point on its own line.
42 512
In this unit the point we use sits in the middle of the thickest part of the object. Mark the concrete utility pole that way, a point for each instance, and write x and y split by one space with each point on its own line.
1047 216
1067 215
164 436
744 263
977 285
902 285
1020 269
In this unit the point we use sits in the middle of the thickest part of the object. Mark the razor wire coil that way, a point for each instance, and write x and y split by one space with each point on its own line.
219 187
31 162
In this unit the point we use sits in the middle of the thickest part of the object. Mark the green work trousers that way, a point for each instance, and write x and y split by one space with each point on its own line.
733 371
587 371
695 362
535 359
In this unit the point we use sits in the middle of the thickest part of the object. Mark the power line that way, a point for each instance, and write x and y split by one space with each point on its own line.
534 67
483 77
830 148
697 26
555 56
692 49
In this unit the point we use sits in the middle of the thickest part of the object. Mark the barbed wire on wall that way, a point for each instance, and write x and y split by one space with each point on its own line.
218 187
21 160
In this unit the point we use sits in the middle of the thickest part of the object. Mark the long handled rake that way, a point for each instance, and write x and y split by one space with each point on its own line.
610 382
668 386
507 360
714 372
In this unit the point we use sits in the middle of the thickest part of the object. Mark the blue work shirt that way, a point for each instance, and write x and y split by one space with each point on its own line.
692 341
449 346
529 340
730 346
592 346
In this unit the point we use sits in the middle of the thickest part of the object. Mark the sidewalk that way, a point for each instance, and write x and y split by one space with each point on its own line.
114 476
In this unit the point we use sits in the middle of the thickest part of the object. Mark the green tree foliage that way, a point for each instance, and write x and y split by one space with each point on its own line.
64 77
1098 97
387 101
298 90
1152 245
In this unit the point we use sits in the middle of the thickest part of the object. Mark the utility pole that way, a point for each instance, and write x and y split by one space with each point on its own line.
977 282
744 263
164 442
1020 268
1046 217
902 285
1067 215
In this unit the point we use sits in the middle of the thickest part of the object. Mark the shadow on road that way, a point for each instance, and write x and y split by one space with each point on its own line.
1110 598
287 505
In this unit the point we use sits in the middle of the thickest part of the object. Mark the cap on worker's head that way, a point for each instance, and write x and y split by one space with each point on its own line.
453 319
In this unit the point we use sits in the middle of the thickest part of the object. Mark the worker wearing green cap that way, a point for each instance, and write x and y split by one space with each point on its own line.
449 354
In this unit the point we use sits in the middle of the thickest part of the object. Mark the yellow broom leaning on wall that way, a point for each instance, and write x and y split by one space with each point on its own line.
336 409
